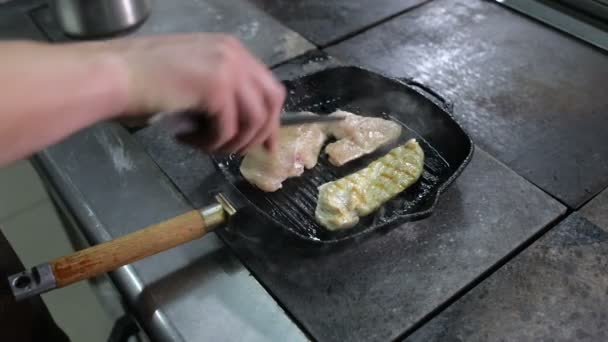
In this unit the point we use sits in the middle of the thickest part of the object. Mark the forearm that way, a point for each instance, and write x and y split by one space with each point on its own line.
50 91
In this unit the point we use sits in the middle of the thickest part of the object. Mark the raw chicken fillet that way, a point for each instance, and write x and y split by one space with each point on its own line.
298 149
358 136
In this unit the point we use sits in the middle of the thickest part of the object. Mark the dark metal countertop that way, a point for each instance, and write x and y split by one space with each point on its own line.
324 22
383 287
531 96
555 290
520 88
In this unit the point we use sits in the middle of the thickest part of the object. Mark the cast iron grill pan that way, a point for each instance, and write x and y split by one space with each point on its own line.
446 146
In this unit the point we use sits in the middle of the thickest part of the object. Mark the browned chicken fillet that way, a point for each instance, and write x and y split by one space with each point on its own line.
342 202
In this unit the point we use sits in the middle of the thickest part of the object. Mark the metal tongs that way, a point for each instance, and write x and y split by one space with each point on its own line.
193 123
292 118
187 121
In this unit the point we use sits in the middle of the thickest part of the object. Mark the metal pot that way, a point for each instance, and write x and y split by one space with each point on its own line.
98 18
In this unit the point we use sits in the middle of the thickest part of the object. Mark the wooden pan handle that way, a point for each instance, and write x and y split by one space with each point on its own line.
113 254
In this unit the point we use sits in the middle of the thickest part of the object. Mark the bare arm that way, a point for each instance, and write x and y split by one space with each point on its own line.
50 91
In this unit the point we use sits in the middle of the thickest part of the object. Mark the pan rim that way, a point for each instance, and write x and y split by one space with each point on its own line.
429 94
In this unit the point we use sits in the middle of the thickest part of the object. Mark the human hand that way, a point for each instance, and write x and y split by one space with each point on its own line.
204 73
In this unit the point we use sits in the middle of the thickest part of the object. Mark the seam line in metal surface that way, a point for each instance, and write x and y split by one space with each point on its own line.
593 196
33 205
543 21
486 274
370 26
294 58
30 15
288 313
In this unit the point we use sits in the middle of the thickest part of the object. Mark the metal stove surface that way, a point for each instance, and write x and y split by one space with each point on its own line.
379 288
584 19
268 39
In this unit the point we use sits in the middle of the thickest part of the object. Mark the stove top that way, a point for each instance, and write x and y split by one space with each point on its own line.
585 19
594 8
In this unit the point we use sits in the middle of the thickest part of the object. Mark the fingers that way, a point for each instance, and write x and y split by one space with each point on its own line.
276 104
259 102
273 94
252 114
224 128
219 76
212 133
